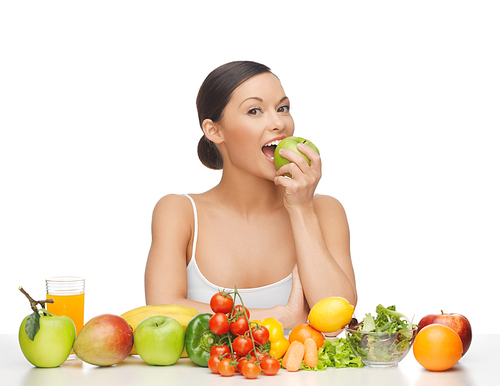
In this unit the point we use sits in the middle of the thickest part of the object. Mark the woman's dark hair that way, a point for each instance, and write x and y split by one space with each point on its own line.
214 95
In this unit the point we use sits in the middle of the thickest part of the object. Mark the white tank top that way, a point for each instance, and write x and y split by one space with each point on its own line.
201 290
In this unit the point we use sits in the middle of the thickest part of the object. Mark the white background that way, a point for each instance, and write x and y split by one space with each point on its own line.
98 121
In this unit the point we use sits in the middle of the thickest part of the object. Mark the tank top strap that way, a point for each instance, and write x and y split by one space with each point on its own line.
195 237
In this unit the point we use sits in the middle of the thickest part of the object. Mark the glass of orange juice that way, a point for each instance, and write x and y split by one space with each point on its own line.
68 293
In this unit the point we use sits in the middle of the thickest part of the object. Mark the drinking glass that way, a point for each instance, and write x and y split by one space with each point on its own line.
68 293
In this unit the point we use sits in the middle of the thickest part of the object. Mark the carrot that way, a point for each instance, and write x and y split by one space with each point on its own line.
311 353
295 355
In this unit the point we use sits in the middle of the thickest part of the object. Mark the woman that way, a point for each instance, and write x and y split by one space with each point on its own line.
281 245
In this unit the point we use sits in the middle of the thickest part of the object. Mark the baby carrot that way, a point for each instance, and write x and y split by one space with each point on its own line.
311 353
295 355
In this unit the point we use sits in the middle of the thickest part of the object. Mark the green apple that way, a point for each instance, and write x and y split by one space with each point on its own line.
159 340
291 143
53 342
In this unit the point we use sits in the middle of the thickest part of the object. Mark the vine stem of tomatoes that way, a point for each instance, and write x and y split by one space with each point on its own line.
233 318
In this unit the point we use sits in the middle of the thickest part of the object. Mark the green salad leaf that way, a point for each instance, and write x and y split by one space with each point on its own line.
335 352
398 332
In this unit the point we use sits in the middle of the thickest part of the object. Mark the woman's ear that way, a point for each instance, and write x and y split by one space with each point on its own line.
212 131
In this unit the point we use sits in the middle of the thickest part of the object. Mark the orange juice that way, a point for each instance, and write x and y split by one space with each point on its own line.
69 305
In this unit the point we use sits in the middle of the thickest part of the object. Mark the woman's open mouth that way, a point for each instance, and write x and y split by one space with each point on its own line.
269 148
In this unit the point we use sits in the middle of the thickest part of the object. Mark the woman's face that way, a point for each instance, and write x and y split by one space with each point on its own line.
257 114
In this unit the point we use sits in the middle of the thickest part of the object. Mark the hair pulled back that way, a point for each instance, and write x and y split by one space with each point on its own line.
214 95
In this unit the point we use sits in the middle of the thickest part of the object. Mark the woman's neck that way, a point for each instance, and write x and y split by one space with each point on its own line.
249 194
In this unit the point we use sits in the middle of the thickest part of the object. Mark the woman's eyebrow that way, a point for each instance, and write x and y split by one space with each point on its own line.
262 100
257 98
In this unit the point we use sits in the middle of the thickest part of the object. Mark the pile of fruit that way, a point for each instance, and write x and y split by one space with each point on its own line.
227 341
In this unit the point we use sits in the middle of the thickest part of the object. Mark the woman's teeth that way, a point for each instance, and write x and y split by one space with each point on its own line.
273 143
268 149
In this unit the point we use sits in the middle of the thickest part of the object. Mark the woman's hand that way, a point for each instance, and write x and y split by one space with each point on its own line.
300 188
297 310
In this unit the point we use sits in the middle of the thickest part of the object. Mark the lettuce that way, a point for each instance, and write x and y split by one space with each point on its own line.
335 352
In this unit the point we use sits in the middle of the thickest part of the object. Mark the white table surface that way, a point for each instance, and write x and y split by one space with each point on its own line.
477 367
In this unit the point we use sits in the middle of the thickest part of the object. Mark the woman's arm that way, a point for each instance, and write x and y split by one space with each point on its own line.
320 231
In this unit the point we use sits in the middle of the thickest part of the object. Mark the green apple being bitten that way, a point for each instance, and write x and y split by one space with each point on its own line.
52 344
159 340
291 143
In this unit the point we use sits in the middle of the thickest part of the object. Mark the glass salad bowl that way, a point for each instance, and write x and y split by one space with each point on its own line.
382 349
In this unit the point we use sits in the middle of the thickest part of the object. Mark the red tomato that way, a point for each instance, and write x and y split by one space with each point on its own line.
269 365
240 310
250 370
259 355
219 350
239 326
242 346
226 369
241 361
218 324
221 302
213 364
260 335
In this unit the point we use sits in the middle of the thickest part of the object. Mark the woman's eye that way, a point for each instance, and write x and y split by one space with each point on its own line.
254 111
284 109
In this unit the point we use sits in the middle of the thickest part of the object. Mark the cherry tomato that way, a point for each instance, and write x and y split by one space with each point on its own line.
218 324
240 310
259 355
260 335
226 369
269 365
241 361
213 364
219 350
239 326
250 370
221 302
242 346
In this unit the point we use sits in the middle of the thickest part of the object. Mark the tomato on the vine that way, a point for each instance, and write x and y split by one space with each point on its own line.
239 326
269 365
220 350
240 363
250 370
259 355
221 302
240 310
219 324
260 335
213 364
226 368
242 346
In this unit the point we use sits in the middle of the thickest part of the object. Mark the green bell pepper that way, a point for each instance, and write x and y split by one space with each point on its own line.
199 339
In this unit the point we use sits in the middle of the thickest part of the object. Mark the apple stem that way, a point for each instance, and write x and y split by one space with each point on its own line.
33 302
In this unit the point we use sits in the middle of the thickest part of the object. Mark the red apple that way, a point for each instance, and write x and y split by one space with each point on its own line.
457 322
104 340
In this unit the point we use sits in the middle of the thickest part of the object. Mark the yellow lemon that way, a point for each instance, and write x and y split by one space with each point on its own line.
330 314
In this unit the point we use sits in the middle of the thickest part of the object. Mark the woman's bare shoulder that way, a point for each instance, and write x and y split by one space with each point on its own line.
323 202
173 208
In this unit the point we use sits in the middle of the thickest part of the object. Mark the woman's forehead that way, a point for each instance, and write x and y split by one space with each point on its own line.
257 86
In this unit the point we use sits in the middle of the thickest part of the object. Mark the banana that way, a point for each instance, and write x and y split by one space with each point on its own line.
182 314
158 308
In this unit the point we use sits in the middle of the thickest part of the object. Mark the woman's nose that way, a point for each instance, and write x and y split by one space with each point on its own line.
276 123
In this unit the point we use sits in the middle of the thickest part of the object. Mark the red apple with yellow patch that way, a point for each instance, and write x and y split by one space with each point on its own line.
457 322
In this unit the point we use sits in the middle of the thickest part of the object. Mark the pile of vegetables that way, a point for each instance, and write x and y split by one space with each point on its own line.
227 341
